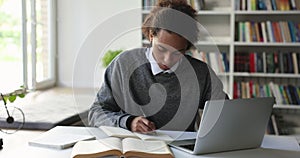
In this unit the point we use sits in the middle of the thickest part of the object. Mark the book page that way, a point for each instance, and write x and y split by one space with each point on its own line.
123 133
150 147
117 132
101 147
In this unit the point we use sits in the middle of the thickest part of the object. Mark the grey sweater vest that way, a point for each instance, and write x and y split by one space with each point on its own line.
170 100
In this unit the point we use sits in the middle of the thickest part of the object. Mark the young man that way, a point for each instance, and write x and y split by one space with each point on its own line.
158 87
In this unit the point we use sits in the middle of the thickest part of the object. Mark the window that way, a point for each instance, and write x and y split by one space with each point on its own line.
27 44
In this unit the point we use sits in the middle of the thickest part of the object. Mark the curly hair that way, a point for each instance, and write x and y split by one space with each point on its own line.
174 16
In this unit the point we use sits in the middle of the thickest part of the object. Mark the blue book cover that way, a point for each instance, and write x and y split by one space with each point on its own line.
288 93
297 32
292 31
261 5
274 4
296 95
226 62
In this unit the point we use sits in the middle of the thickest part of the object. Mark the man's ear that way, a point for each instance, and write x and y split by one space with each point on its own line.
151 36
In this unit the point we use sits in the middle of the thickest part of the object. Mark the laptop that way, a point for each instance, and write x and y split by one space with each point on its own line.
228 125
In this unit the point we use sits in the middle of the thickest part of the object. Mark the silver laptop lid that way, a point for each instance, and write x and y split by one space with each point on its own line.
233 124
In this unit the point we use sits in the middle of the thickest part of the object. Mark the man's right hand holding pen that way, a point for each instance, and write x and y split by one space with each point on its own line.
142 125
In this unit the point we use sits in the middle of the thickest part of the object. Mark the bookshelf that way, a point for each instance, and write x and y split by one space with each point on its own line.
221 19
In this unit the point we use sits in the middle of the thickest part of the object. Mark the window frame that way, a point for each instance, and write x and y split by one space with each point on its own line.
51 81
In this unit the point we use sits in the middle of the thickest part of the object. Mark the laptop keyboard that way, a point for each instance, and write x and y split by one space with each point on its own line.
189 146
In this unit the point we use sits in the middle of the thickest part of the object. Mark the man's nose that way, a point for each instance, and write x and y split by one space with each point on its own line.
168 58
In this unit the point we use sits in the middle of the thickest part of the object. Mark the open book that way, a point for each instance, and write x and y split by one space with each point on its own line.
127 147
123 133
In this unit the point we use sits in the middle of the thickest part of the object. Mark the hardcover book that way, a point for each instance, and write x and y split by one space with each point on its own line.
127 147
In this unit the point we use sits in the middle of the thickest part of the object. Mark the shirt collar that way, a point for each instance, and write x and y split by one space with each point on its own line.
155 67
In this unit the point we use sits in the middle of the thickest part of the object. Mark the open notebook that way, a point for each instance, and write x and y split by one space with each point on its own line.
123 133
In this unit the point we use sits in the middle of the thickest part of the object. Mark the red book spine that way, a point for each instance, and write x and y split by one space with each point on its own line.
251 88
252 62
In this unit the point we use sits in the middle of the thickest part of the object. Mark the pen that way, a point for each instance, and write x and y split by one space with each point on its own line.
153 132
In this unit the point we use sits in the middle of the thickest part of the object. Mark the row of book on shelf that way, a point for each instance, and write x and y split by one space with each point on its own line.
273 127
218 61
284 94
279 124
147 4
282 5
196 4
268 31
271 62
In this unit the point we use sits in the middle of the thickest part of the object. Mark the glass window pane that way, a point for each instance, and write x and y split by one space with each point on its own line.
43 69
11 67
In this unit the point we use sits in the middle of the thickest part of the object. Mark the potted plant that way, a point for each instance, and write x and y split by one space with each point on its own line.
12 111
109 56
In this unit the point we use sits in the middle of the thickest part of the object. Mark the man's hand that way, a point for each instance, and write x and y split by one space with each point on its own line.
142 125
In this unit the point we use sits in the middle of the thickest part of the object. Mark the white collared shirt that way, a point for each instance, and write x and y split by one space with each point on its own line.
155 67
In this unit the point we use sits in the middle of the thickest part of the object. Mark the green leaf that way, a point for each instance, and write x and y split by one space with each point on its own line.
12 98
109 56
5 98
21 95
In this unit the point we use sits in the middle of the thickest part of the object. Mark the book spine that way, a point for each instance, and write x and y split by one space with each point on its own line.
270 63
287 31
259 63
283 93
225 61
297 4
252 63
237 4
270 31
264 32
264 62
261 5
293 5
273 3
288 94
281 65
248 31
276 63
292 31
213 61
268 4
290 63
283 34
298 60
295 63
274 123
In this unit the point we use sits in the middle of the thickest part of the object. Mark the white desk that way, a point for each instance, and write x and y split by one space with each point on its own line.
16 145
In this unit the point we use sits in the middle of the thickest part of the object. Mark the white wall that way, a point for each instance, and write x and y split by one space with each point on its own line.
86 29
